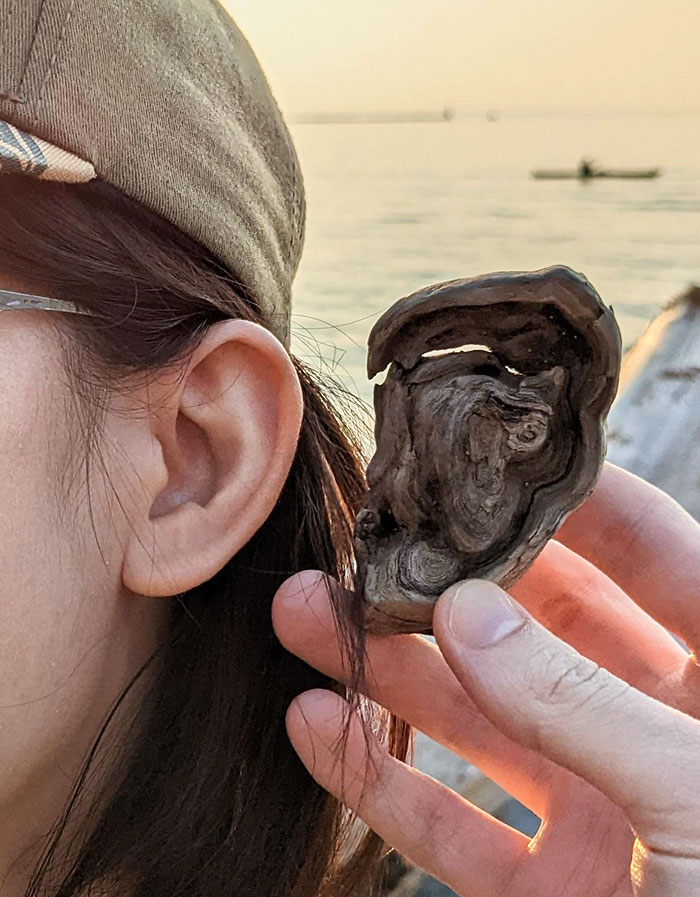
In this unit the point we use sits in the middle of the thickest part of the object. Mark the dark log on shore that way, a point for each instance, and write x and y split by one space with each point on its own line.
654 425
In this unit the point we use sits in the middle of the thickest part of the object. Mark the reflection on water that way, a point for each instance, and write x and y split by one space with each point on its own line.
393 207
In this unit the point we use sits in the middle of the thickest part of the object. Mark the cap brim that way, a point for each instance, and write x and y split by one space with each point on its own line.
22 153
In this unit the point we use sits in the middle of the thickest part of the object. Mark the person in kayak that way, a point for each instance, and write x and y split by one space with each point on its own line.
585 169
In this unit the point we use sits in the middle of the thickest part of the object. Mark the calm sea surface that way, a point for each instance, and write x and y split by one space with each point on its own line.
394 207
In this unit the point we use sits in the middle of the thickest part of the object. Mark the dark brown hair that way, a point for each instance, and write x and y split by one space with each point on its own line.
210 799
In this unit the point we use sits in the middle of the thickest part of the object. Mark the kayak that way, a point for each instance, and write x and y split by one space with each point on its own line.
564 174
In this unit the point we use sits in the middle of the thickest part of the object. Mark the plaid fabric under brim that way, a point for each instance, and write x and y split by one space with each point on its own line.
21 153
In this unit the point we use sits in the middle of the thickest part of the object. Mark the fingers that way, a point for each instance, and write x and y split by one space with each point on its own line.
646 543
540 692
431 825
581 605
408 676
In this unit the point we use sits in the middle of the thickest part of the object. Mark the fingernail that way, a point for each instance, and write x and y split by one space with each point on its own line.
482 614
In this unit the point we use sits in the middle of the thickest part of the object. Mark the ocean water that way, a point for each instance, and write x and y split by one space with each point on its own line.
395 207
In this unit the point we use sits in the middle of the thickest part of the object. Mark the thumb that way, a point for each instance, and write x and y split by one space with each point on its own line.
543 694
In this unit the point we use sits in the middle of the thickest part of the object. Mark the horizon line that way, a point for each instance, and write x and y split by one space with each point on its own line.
438 115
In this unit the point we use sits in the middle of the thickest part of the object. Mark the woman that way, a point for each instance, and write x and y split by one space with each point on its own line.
168 465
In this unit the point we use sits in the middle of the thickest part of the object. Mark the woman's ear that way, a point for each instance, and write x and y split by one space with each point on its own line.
211 458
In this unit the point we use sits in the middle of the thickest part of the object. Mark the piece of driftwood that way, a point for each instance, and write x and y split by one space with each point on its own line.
489 430
654 425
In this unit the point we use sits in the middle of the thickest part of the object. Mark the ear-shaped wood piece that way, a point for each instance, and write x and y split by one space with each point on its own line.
489 430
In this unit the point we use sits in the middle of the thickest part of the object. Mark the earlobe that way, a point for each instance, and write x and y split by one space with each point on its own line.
227 438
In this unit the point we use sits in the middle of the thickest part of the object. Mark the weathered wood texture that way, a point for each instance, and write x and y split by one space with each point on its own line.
654 425
490 429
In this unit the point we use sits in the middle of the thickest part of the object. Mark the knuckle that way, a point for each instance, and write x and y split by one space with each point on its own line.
438 845
624 539
574 682
570 685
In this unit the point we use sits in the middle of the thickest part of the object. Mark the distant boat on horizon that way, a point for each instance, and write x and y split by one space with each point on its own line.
587 171
375 118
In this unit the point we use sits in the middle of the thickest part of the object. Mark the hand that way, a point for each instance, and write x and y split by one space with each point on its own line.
575 699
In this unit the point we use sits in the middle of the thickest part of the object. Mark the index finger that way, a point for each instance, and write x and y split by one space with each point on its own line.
431 825
646 543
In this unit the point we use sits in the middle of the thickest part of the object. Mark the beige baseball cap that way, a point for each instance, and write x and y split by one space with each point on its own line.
165 100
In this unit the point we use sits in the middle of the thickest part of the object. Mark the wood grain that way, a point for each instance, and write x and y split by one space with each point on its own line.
489 430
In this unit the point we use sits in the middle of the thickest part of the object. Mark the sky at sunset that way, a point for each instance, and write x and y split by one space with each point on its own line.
410 55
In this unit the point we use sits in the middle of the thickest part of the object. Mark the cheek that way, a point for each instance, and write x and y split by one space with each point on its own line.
51 621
